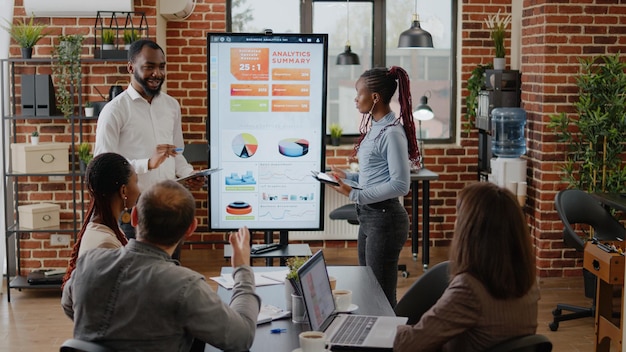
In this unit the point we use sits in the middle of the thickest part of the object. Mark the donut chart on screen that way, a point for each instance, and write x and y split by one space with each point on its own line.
238 208
293 147
244 145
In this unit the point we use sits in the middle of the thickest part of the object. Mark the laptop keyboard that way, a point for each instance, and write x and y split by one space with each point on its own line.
354 330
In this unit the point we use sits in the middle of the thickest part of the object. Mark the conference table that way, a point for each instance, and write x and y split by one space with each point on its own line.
366 294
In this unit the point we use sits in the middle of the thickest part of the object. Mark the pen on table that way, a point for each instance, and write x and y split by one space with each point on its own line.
277 331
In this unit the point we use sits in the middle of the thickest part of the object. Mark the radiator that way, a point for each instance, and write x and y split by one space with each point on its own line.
333 229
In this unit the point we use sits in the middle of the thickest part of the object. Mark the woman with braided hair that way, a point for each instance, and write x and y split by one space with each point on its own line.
386 149
112 184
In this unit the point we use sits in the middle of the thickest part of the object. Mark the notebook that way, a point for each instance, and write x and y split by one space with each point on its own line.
379 332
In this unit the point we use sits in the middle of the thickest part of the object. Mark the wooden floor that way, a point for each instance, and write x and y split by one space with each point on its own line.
34 320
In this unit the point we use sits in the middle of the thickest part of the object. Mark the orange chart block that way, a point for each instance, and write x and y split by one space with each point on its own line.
249 90
291 74
290 105
249 64
291 90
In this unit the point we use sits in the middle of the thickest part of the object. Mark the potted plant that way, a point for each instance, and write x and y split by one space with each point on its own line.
26 34
292 284
34 138
108 39
89 109
67 71
595 140
497 27
130 35
475 83
335 134
84 155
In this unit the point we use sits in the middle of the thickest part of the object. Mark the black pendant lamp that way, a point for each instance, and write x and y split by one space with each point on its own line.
348 57
415 37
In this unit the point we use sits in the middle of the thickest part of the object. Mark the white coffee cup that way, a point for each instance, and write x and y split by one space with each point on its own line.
312 341
343 299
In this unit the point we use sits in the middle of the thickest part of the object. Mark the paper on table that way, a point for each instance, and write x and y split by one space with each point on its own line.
269 312
226 280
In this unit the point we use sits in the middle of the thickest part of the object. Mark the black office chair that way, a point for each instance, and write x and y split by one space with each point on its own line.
528 343
75 345
578 207
424 293
348 212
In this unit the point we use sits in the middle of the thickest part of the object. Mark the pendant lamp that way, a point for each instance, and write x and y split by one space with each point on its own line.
415 37
348 57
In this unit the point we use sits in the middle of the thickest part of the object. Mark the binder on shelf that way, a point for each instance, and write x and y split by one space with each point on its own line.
28 95
44 96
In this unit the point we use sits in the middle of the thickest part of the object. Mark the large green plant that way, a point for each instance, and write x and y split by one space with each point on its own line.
67 70
26 34
595 139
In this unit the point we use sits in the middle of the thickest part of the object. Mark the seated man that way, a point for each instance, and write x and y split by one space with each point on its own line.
137 298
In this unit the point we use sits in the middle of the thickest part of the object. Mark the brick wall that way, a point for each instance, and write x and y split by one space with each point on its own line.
554 34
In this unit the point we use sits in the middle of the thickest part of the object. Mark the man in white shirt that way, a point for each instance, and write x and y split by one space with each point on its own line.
144 124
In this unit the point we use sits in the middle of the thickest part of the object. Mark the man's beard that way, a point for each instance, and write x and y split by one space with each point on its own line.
144 84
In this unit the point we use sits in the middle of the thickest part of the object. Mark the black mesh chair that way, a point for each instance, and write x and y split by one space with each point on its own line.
578 207
75 345
528 343
424 293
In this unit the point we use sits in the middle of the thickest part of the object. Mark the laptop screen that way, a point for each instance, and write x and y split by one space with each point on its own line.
318 297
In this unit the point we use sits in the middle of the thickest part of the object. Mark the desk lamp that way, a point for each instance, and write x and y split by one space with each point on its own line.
422 113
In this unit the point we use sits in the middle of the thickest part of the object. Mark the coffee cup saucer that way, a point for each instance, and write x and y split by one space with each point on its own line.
350 309
300 350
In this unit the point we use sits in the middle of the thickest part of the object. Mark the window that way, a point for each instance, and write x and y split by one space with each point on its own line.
374 38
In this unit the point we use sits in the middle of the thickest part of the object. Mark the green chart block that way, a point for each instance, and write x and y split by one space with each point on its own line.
245 105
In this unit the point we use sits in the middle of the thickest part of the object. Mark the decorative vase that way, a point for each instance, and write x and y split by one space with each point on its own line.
108 47
288 292
499 63
34 140
89 111
336 141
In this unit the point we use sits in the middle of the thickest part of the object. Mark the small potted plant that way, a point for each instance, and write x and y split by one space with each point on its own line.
108 39
34 138
84 155
497 28
335 134
130 35
89 109
26 34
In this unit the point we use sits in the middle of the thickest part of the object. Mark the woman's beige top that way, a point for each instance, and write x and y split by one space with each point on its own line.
98 236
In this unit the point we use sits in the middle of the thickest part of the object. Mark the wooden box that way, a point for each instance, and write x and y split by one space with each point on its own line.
609 267
40 158
39 216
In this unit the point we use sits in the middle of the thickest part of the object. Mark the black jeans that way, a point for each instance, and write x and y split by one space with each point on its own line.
383 230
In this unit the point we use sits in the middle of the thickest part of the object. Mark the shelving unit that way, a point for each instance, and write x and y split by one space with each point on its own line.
9 71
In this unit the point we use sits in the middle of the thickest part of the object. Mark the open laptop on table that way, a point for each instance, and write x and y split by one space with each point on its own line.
348 331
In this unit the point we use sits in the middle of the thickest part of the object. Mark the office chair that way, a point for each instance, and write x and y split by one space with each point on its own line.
528 343
578 207
424 293
76 345
348 212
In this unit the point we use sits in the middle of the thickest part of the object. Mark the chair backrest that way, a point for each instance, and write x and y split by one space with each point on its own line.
424 293
528 343
196 153
578 207
75 345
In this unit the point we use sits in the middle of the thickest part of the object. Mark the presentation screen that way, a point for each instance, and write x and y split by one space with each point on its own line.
266 127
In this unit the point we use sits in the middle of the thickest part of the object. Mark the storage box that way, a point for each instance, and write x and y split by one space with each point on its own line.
39 216
40 158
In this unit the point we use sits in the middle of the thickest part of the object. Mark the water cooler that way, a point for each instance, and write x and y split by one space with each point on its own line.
508 144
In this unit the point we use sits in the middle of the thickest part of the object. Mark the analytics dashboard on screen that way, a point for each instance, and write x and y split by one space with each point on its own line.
266 126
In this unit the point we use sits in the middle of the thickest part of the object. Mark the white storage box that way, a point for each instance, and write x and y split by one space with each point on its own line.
39 216
40 158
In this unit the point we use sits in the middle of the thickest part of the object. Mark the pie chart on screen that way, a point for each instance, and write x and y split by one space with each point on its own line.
245 145
293 147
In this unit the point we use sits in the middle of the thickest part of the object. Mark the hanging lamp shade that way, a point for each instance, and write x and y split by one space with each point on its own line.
348 57
415 37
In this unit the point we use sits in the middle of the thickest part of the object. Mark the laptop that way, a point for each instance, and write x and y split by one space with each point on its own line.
371 332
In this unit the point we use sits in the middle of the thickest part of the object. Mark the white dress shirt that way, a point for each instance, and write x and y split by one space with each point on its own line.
131 126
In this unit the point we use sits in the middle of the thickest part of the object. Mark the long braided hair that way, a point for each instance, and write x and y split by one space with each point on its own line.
384 82
106 173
